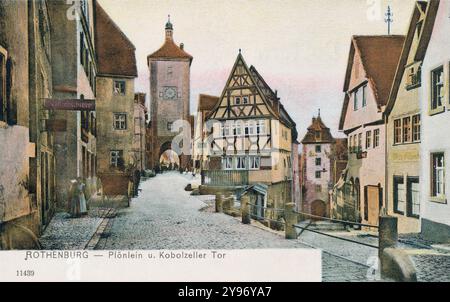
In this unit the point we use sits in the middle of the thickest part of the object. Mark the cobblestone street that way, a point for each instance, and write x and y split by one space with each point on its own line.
167 217
164 216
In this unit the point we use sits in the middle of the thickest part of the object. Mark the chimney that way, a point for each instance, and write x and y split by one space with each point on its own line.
182 46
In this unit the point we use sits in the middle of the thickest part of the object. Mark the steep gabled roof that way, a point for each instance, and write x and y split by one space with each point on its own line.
170 50
115 52
430 10
263 86
317 125
269 98
207 102
379 57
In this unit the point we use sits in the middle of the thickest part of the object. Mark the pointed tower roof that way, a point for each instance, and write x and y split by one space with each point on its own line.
170 50
318 133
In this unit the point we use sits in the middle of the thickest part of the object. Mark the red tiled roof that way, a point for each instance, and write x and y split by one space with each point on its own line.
170 51
207 102
380 56
115 52
318 126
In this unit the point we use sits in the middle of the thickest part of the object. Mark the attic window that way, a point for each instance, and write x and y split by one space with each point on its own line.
318 135
414 79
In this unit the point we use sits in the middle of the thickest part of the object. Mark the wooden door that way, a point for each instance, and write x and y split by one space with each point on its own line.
372 204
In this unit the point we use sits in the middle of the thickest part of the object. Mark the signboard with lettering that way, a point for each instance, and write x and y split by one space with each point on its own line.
70 104
56 125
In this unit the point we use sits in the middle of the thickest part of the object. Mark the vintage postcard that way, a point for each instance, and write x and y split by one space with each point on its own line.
225 141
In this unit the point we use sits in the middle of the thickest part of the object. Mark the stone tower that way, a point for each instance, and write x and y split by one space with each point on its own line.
317 168
169 95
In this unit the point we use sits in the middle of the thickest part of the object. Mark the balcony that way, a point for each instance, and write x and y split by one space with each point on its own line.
225 178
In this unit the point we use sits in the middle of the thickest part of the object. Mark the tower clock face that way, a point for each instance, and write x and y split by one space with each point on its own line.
170 93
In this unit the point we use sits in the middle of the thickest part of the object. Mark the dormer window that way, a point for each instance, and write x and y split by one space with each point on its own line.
318 135
414 79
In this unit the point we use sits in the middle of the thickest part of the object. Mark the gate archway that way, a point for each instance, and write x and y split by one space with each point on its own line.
168 159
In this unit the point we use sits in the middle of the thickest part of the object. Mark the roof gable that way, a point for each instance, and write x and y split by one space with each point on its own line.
421 8
240 78
317 126
115 52
379 57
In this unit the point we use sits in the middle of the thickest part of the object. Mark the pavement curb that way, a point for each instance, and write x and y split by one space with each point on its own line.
95 239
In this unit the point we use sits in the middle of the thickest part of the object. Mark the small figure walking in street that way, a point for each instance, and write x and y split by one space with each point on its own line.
77 201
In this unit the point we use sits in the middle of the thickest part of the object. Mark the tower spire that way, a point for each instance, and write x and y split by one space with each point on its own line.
389 19
169 29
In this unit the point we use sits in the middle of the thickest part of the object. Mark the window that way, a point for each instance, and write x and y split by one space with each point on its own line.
119 87
245 99
120 121
318 174
237 100
170 126
82 48
318 188
413 197
3 80
241 163
355 100
116 157
317 135
227 163
238 128
359 141
169 72
318 162
437 93
398 131
226 129
368 139
406 129
364 96
376 138
399 195
255 162
437 175
416 128
261 127
318 148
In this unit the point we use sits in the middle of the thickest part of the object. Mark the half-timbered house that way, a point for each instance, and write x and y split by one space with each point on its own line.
251 139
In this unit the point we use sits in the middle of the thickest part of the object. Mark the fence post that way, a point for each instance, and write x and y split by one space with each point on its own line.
245 211
219 203
290 218
388 236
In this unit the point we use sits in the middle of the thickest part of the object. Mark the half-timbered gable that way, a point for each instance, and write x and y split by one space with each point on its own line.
242 97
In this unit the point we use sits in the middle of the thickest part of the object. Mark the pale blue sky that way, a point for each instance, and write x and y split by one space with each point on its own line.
300 47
